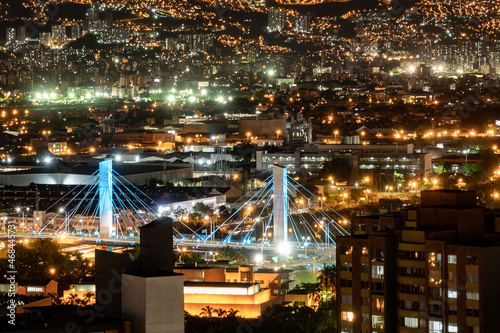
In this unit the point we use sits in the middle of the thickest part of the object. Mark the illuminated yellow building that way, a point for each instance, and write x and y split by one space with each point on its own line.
247 298
243 289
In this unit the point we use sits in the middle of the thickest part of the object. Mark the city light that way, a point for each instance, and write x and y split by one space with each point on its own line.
284 249
259 258
280 133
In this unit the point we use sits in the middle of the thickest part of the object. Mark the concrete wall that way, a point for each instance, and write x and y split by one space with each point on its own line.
154 304
448 198
202 274
468 222
489 288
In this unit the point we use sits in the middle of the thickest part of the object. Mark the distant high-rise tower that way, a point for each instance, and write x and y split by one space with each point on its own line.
276 19
21 33
93 14
45 38
59 34
76 31
108 18
303 22
11 36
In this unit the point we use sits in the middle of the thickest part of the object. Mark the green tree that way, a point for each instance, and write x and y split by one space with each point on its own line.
440 168
202 209
223 213
241 256
469 169
44 259
191 257
179 213
328 279
398 178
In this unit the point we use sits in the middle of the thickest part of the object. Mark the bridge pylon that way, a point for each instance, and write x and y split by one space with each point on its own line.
280 205
106 199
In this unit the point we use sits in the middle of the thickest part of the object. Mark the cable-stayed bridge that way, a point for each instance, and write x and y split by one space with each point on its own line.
280 213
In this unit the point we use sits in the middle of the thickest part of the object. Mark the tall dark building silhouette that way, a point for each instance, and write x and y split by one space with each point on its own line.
431 269
145 291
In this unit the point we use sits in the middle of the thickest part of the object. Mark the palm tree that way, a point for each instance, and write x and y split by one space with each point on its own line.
207 311
72 299
87 298
220 312
327 280
55 299
232 313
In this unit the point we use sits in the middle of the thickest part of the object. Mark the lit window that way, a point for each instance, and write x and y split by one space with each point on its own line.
452 259
452 328
377 272
452 293
345 315
435 259
377 321
435 326
411 322
472 295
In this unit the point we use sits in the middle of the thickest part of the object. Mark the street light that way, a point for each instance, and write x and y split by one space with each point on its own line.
19 209
284 249
327 232
66 222
259 258
306 243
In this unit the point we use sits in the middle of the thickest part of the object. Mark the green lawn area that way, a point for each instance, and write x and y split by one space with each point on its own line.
304 276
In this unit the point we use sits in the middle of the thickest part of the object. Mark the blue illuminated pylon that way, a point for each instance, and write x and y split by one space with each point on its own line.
280 205
105 198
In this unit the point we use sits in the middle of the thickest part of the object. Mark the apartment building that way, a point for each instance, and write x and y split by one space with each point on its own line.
430 269
382 160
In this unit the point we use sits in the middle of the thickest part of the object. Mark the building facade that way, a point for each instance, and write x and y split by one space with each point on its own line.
377 161
432 269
